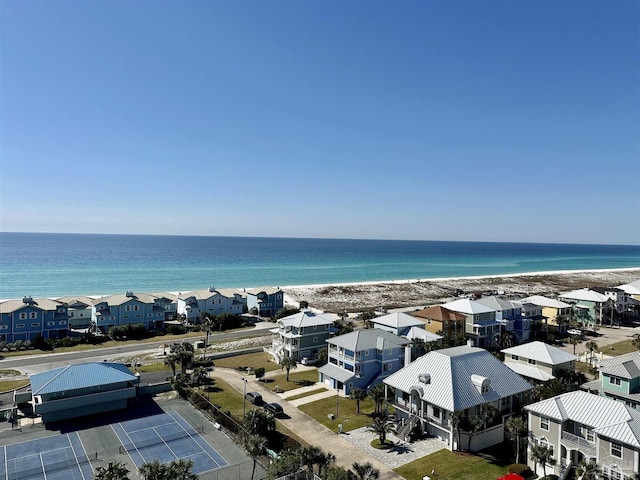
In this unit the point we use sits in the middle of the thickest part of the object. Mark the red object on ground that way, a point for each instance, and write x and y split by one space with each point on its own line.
512 476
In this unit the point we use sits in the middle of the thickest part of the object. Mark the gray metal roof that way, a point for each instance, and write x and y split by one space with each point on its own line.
398 320
496 303
307 318
541 352
84 375
333 371
417 332
122 298
468 307
267 290
451 386
529 371
546 302
623 366
369 338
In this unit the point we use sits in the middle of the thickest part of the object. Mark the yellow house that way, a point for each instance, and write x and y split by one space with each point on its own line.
558 313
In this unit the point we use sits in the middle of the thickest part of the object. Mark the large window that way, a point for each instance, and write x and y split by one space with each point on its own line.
616 450
614 380
544 424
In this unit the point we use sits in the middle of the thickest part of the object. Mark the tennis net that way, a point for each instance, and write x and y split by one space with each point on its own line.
16 472
158 440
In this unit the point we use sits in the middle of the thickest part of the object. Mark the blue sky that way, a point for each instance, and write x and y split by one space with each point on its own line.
435 120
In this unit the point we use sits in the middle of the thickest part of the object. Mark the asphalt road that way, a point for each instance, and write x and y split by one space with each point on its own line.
29 364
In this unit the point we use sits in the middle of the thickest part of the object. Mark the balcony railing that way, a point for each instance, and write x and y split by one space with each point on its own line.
583 444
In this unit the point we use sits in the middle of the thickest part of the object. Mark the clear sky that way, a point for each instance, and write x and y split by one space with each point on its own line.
436 120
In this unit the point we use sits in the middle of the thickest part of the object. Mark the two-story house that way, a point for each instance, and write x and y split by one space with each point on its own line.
507 312
589 306
169 302
539 362
578 426
303 334
79 310
558 313
265 301
25 319
632 289
531 323
619 379
363 358
480 325
442 321
398 323
128 308
619 303
211 301
459 379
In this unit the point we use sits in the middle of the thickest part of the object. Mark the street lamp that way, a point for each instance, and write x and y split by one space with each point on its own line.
244 398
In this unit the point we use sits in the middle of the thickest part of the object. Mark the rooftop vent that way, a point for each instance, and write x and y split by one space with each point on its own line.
425 378
129 293
28 300
212 288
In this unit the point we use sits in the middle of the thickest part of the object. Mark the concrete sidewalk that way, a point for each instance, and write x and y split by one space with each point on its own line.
306 427
309 398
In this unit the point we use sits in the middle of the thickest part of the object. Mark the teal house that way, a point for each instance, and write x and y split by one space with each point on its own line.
619 379
80 390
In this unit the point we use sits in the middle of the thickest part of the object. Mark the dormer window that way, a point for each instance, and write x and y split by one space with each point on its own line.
481 383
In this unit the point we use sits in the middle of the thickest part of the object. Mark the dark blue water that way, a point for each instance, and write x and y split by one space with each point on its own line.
43 264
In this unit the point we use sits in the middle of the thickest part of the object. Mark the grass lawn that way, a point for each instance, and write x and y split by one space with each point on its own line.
619 348
9 372
8 385
446 464
155 367
296 380
253 360
346 413
223 394
308 394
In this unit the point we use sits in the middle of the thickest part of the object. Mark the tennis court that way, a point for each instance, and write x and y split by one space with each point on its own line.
60 457
166 437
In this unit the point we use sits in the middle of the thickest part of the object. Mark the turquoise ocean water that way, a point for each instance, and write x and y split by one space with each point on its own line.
42 264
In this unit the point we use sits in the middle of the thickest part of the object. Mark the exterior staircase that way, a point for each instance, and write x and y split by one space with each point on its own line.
404 431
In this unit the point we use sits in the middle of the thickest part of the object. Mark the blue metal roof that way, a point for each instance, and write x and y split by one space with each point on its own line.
84 375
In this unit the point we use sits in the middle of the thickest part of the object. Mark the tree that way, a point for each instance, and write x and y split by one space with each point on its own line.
635 341
592 347
287 363
289 461
199 375
541 454
551 388
377 394
517 426
113 471
175 470
473 425
358 394
381 427
365 471
255 445
208 324
457 418
181 470
179 384
285 312
259 422
575 340
171 361
418 347
336 472
588 470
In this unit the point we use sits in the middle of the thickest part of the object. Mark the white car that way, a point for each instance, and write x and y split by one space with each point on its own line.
574 331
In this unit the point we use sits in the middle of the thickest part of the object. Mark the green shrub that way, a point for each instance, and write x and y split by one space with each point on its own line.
521 469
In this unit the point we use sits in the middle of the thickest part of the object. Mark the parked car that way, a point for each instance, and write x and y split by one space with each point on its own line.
274 408
255 398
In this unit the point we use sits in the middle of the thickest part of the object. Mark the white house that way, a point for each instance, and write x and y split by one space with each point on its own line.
538 361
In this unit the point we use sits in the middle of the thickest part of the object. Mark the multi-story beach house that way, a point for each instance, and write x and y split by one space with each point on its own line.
531 322
507 312
539 362
558 314
619 303
25 319
193 305
619 379
303 334
398 323
80 312
128 308
589 306
632 289
480 326
442 321
363 358
265 301
169 302
579 426
461 379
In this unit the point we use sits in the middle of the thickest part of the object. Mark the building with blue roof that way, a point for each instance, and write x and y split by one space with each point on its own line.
80 390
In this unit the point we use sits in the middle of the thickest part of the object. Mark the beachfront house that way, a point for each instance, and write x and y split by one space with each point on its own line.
619 379
442 321
84 389
397 323
579 426
461 379
363 358
303 334
79 310
632 289
265 301
589 306
539 362
557 313
169 302
27 318
193 305
128 308
480 326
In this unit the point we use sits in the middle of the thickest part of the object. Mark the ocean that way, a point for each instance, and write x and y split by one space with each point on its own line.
49 265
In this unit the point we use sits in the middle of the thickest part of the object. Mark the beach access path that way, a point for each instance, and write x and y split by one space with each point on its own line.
306 427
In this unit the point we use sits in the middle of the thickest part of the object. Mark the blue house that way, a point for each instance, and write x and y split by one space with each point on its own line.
265 301
211 301
363 358
130 308
25 319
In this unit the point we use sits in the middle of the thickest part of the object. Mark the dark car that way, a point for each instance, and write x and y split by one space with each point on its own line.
274 408
254 397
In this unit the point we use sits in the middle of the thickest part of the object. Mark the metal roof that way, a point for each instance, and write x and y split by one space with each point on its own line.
84 375
267 290
369 338
529 371
398 320
541 352
623 366
542 301
607 417
306 318
468 307
585 295
451 386
333 371
496 303
417 332
10 306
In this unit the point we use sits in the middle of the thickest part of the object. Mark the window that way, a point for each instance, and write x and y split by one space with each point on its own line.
63 322
391 351
71 314
590 435
614 381
366 353
428 321
125 316
616 450
515 357
23 316
4 327
35 324
50 323
315 339
614 474
136 307
33 315
127 308
436 412
544 423
20 325
545 443
531 361
138 315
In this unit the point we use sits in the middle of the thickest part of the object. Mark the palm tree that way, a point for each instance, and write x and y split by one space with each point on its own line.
171 361
541 454
419 347
254 445
311 456
365 471
175 470
589 470
516 427
575 340
287 363
181 470
207 323
179 384
113 471
474 424
457 418
358 394
198 375
380 427
153 470
592 347
259 422
551 388
377 394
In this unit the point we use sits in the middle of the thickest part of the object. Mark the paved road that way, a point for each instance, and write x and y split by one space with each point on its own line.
606 336
39 363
